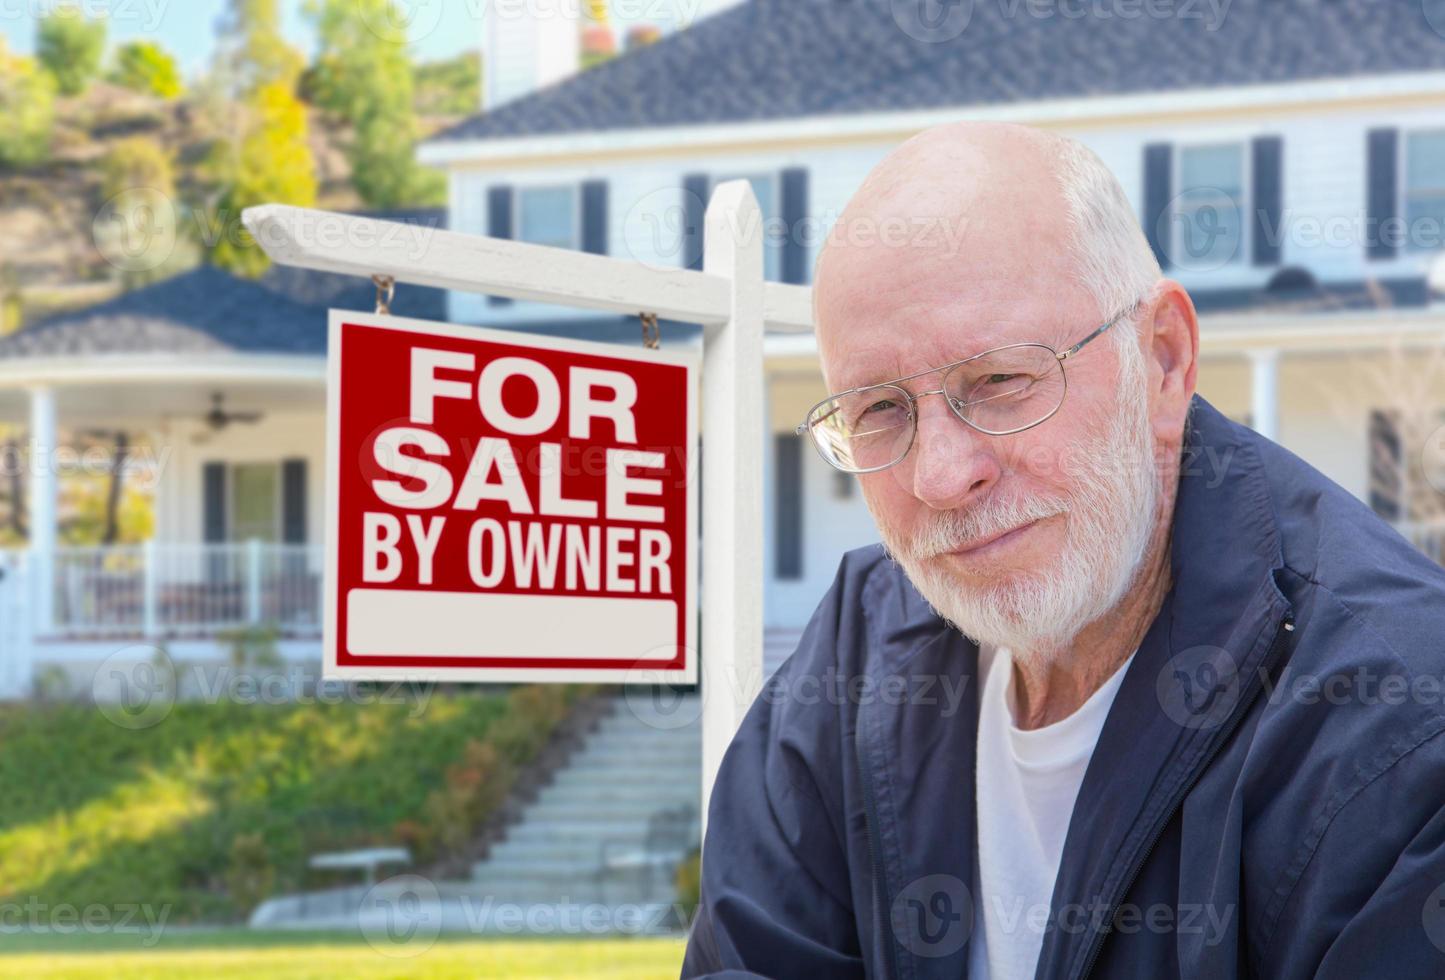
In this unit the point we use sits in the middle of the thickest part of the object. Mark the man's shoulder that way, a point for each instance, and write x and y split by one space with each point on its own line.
870 617
1356 570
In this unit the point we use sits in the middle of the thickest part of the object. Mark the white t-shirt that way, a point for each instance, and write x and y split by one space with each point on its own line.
1027 782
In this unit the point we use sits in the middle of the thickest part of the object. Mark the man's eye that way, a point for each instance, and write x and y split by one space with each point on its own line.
882 406
998 379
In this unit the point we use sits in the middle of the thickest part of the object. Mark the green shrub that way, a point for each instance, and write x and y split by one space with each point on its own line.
250 876
145 66
70 47
27 110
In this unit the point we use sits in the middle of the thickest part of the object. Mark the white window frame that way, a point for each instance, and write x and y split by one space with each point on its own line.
1244 255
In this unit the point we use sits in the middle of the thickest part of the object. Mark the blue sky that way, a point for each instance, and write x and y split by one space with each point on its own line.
187 28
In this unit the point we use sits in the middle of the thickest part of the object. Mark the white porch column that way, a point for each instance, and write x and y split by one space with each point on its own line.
43 497
1264 391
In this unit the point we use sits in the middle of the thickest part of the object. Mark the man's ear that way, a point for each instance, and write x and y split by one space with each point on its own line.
1170 339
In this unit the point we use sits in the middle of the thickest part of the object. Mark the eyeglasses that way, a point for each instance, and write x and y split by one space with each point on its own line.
998 392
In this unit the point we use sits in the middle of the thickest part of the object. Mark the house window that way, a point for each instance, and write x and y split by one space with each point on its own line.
1209 209
548 216
765 189
255 499
1424 181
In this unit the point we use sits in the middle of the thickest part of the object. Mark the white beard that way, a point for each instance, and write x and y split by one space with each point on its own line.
1110 516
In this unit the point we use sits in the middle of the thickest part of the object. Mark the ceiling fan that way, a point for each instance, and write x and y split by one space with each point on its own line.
218 418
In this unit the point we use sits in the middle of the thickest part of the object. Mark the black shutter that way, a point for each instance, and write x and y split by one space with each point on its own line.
788 507
499 223
213 502
795 215
293 501
695 188
1268 200
1387 484
1382 192
594 217
1158 178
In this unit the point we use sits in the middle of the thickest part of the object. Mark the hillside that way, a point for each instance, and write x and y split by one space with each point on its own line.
48 255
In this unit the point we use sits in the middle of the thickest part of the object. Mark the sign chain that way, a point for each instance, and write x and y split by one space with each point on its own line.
651 335
385 290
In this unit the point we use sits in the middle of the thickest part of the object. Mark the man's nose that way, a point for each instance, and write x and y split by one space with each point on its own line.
953 463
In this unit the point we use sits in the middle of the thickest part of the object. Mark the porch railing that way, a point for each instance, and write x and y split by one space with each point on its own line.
185 589
1429 537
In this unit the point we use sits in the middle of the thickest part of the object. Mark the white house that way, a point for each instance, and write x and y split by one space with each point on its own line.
1287 162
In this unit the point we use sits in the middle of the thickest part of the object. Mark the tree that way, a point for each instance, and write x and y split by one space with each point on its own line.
452 87
268 161
70 47
363 75
27 110
252 51
272 164
147 67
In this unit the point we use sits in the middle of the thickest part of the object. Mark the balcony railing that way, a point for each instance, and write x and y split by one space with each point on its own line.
185 589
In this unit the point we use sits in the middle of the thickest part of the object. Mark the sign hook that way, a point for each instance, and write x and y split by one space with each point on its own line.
651 335
385 290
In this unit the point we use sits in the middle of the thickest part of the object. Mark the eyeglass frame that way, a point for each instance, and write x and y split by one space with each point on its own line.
803 429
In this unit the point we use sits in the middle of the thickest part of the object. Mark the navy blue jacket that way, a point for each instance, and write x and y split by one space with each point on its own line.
1265 798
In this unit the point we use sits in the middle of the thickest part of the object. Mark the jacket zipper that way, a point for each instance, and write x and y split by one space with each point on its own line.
880 880
1286 626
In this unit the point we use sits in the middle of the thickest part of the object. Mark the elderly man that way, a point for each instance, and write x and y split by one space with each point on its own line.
1194 740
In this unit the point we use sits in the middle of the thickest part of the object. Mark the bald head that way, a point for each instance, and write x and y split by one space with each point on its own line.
980 217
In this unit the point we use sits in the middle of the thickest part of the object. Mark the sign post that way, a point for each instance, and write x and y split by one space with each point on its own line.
728 298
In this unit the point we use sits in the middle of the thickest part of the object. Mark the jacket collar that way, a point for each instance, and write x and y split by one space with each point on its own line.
1195 673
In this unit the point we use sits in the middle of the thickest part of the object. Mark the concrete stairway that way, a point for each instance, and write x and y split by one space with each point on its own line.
643 758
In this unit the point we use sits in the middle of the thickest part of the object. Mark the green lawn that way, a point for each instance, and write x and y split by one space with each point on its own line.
240 953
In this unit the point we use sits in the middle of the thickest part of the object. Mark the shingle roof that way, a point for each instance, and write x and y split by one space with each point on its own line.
782 59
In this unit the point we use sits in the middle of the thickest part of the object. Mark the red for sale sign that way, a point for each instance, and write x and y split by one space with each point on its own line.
507 507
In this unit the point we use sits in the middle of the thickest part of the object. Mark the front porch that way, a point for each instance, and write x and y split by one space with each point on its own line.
166 591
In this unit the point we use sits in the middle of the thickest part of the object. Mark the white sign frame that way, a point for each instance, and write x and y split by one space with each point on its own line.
331 669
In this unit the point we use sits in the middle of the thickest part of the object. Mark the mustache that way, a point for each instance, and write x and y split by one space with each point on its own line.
954 529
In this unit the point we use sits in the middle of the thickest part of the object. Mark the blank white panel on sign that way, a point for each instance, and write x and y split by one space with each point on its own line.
410 623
